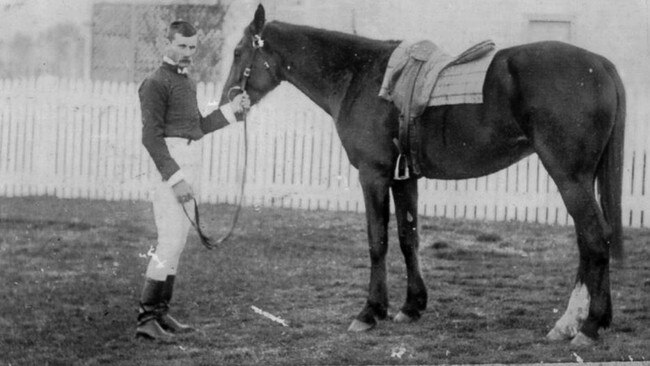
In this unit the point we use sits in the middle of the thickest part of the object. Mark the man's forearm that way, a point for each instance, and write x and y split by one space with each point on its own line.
160 155
218 119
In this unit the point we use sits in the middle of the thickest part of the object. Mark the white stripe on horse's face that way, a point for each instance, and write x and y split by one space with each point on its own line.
576 313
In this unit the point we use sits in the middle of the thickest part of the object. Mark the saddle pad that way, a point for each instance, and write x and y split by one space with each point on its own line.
411 74
462 84
442 79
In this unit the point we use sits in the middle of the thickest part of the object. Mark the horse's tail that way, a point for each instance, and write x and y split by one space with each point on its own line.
610 170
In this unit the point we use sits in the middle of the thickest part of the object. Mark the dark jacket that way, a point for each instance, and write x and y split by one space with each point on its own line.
169 109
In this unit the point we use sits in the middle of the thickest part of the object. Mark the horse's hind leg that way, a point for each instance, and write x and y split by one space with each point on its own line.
375 193
405 194
590 306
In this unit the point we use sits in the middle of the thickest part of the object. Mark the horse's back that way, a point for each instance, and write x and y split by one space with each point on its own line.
557 72
532 93
545 53
565 99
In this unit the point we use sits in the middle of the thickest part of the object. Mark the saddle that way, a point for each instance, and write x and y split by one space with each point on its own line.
409 81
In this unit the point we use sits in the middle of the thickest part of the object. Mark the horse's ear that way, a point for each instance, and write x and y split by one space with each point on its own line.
259 20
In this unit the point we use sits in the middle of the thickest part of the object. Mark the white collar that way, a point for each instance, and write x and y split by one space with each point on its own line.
171 62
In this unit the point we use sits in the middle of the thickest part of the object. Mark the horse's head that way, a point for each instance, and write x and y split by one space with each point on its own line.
255 68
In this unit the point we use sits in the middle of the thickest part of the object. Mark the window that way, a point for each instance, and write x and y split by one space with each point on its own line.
549 27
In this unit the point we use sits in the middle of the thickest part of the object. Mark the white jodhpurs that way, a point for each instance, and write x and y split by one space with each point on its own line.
171 221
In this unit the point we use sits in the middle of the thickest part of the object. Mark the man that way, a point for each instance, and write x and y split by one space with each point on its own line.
172 126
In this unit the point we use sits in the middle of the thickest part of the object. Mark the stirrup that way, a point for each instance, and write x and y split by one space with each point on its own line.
406 174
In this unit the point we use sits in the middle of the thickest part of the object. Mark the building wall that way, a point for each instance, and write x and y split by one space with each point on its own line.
129 39
56 37
44 37
616 29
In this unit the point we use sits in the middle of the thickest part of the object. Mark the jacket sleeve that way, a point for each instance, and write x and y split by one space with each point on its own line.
153 103
218 119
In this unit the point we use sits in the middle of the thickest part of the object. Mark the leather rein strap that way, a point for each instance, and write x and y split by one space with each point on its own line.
258 43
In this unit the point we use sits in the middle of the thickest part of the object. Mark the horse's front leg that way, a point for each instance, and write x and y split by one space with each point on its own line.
375 193
405 195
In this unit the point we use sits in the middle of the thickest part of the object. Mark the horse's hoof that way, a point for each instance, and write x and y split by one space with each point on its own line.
562 332
582 341
557 335
359 326
403 318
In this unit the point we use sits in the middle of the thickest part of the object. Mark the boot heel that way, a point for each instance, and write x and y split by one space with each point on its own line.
168 323
152 306
151 330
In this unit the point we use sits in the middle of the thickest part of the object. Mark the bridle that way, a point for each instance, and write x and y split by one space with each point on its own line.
258 44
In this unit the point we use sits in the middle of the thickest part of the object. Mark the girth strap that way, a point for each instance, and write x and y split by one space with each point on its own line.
408 143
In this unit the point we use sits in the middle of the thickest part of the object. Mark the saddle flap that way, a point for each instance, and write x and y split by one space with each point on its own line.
411 76
422 51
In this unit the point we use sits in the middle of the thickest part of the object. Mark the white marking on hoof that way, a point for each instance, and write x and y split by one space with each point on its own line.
578 358
577 311
557 335
582 341
359 326
403 318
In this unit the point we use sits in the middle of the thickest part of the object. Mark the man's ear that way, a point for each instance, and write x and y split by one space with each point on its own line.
259 20
166 42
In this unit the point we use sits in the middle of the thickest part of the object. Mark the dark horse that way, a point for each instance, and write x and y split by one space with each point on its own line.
559 101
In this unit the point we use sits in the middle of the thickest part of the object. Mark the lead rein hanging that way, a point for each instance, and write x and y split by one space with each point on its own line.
258 43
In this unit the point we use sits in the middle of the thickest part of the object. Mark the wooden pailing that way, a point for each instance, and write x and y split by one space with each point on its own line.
81 139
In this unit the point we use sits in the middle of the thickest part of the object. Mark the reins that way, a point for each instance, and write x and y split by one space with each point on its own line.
206 240
235 217
258 43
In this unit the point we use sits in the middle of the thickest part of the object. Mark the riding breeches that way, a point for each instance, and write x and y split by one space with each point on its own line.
171 220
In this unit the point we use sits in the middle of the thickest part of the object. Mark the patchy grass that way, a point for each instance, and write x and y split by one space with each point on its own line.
72 271
488 237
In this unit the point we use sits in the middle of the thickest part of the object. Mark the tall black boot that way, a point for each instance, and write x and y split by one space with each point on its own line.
167 321
151 308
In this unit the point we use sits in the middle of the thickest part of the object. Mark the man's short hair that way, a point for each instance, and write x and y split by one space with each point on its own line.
182 27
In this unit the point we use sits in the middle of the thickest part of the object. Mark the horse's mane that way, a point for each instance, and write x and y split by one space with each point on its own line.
330 35
349 49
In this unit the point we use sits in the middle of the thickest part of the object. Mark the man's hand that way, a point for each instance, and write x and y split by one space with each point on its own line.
183 191
240 103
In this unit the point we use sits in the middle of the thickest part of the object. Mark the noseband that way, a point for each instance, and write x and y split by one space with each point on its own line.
258 44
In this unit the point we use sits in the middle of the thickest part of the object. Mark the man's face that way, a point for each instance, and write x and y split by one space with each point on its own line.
181 49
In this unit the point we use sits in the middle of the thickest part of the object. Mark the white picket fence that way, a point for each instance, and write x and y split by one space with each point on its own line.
81 139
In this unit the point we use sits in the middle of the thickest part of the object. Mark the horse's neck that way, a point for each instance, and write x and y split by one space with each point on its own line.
321 63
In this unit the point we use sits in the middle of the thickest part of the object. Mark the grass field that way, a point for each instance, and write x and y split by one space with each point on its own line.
72 269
